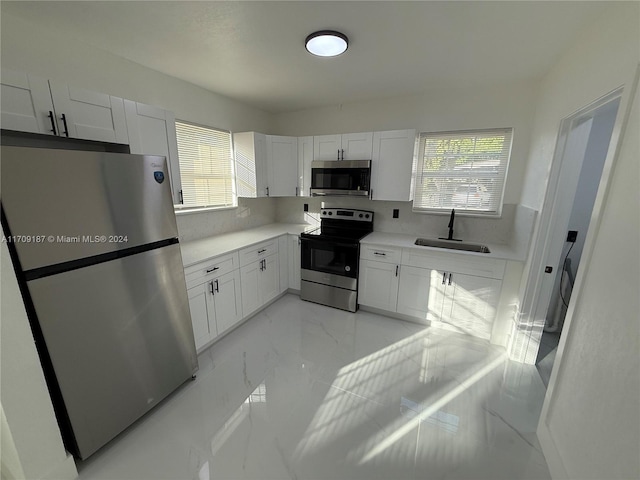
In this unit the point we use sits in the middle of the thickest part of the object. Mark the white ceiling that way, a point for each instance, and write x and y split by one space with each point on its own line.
254 51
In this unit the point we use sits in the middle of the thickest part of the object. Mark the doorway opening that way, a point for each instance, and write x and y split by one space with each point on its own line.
576 172
587 144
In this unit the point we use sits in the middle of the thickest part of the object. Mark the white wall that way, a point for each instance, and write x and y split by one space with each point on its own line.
510 105
589 424
24 396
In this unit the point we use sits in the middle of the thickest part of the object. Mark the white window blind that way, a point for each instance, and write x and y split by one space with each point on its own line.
206 166
465 170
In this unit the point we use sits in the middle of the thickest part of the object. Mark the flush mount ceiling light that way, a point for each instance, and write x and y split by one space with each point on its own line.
326 43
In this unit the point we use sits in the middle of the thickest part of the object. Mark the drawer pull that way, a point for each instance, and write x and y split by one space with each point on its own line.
262 251
380 253
209 270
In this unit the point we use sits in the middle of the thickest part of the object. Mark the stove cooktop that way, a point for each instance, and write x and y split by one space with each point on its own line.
342 224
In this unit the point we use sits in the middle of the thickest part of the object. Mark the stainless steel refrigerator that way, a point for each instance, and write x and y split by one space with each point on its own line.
94 240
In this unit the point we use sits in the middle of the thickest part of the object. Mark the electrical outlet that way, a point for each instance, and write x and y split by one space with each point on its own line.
396 213
572 236
306 207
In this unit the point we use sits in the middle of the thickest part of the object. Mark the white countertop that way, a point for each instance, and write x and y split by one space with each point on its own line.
403 240
197 251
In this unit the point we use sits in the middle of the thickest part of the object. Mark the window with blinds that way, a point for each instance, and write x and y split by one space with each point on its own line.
206 167
465 170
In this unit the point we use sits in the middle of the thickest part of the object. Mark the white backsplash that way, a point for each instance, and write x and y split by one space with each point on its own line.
514 225
250 213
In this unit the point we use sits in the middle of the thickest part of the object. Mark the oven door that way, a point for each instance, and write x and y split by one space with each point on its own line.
330 257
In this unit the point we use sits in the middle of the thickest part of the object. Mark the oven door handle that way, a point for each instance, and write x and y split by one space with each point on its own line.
323 243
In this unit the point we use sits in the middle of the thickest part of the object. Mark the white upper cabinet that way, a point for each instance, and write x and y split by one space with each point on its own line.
34 104
392 164
26 103
250 150
89 115
282 166
152 131
305 156
348 146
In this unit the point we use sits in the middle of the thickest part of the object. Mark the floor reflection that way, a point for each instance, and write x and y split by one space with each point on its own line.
306 391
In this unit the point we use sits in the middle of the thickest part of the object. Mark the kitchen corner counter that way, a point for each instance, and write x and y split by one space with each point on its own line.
197 251
402 240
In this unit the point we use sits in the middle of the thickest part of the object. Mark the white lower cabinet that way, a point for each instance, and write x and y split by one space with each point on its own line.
448 290
283 260
378 285
259 275
215 307
294 261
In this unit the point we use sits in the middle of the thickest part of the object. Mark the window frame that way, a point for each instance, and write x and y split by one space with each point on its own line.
503 169
186 209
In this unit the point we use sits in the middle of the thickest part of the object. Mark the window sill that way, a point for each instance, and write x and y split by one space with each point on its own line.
459 213
187 211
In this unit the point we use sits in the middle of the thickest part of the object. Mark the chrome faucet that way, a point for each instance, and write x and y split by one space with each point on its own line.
451 219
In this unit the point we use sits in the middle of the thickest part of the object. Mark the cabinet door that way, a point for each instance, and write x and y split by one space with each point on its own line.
250 282
294 262
250 150
270 279
378 285
282 155
421 293
357 146
89 115
152 131
26 103
283 261
200 306
227 300
327 147
471 303
392 163
305 156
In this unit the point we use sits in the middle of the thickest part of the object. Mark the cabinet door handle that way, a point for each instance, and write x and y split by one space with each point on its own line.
299 240
444 278
181 198
53 123
338 155
267 191
342 154
212 269
217 286
397 267
211 288
381 254
264 262
296 191
450 275
64 122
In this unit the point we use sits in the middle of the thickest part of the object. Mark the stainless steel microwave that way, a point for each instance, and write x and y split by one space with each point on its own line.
345 177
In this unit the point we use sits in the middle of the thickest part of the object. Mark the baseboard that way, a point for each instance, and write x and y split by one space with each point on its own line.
550 452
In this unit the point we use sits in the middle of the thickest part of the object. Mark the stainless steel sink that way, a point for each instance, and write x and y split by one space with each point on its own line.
467 247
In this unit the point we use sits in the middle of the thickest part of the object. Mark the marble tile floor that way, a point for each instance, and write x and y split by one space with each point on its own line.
304 391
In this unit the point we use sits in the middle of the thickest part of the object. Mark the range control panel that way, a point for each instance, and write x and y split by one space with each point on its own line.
346 214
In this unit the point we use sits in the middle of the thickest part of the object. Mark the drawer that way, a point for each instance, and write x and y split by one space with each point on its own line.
213 268
452 262
256 252
381 253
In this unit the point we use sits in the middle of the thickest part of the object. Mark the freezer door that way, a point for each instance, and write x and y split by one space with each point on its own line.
63 205
120 339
